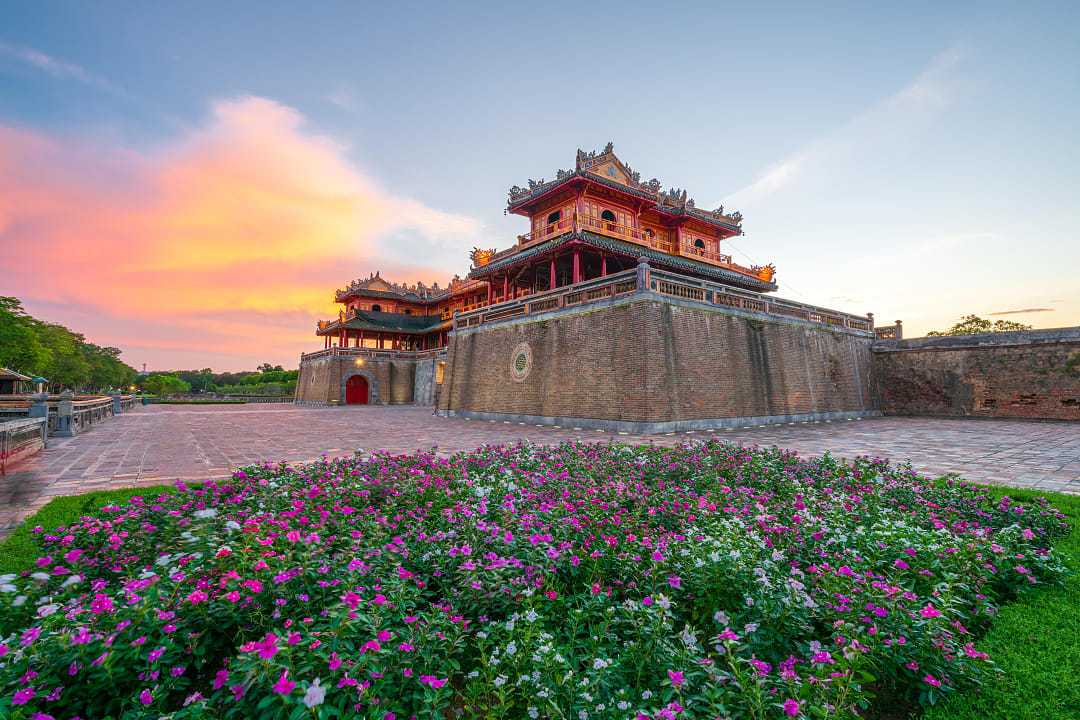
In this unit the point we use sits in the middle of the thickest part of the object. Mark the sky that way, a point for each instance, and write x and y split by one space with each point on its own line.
191 182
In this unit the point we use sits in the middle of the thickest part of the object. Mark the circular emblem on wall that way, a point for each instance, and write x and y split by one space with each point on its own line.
521 361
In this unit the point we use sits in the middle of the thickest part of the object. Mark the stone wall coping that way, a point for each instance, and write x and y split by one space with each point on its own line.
1067 335
652 297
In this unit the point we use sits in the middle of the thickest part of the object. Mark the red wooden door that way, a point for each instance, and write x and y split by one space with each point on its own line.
356 390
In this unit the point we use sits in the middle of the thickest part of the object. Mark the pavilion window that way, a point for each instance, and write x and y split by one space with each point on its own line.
607 216
376 308
554 217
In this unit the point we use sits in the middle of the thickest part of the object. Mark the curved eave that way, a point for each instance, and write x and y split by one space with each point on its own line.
362 324
661 260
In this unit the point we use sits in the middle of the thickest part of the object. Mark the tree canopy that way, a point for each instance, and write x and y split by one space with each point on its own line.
36 347
973 325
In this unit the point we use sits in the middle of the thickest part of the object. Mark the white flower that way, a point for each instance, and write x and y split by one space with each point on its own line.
664 602
40 576
19 600
646 695
583 715
315 694
7 588
209 513
749 628
531 616
622 705
47 610
71 580
500 680
511 648
533 712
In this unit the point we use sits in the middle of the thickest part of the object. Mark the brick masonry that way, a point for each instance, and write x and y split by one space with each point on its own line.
1030 374
654 364
390 381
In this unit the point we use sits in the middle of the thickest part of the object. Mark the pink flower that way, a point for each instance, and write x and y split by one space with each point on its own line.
23 696
409 619
647 600
432 681
791 707
220 679
146 697
101 604
674 581
284 685
335 661
677 678
930 611
931 680
196 597
379 600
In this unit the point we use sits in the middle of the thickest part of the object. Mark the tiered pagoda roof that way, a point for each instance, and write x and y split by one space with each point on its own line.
673 202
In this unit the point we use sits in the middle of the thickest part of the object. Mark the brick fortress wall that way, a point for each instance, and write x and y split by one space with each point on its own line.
653 364
1029 374
397 381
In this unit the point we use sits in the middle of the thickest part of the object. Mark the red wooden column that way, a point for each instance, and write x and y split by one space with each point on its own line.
603 265
341 338
551 280
360 340
491 292
577 266
506 286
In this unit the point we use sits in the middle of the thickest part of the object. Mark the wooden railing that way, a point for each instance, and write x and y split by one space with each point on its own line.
644 279
576 222
689 288
621 283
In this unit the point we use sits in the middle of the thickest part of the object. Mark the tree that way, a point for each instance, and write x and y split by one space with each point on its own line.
164 384
973 324
20 348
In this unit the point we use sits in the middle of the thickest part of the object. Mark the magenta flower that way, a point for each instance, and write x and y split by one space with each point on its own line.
432 681
674 581
931 680
146 697
22 696
791 707
930 611
677 678
284 685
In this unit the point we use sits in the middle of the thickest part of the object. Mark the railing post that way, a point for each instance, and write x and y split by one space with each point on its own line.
39 406
117 408
65 414
899 329
642 274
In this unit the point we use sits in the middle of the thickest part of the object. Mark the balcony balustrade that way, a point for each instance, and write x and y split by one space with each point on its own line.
664 244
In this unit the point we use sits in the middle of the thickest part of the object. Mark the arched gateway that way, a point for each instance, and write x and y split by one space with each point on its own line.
356 390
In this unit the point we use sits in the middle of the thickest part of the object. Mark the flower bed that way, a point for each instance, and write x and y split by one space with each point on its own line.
584 581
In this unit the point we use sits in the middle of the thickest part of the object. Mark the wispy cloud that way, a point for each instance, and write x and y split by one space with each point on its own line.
1023 311
60 68
345 99
930 92
250 216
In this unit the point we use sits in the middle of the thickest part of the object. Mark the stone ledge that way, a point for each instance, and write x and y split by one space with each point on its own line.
656 428
1050 336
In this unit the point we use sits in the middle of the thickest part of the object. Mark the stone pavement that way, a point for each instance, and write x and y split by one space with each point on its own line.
161 443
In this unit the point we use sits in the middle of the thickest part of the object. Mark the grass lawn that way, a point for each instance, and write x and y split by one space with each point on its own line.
19 550
1034 640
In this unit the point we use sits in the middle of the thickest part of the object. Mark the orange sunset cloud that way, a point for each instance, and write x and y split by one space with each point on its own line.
222 246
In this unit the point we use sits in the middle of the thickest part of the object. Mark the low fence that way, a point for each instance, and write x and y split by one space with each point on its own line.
66 414
645 279
20 439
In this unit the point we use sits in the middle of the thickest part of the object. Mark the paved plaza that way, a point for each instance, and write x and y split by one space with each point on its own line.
161 443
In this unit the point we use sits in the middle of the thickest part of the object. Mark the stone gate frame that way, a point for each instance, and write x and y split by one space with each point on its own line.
372 383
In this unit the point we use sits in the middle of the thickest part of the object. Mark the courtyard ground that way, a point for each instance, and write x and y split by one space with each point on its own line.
158 444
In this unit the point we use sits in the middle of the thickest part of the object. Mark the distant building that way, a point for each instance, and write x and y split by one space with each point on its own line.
14 383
